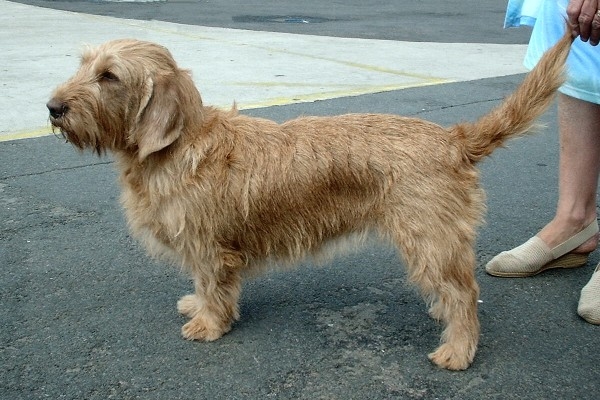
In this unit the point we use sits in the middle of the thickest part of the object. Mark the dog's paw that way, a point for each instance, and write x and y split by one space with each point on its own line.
189 305
202 329
447 357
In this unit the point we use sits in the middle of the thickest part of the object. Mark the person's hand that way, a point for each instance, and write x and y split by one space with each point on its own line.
584 19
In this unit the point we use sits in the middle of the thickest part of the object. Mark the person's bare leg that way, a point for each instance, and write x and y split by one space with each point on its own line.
579 166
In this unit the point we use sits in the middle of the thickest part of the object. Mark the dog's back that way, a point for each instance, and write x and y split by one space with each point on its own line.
355 168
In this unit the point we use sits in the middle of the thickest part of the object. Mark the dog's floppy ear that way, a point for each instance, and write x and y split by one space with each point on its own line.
159 121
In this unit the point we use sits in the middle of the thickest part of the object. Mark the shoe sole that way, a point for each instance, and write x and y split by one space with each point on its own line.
591 320
569 260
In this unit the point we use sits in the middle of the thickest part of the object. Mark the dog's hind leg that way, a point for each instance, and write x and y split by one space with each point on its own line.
444 272
214 305
457 293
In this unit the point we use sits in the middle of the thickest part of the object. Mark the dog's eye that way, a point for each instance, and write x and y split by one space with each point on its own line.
108 76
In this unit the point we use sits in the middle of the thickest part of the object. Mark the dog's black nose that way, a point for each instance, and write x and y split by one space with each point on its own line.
57 108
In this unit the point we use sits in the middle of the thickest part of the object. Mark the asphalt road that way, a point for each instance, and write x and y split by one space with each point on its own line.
87 315
426 20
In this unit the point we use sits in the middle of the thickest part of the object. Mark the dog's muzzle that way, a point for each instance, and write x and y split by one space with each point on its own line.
57 108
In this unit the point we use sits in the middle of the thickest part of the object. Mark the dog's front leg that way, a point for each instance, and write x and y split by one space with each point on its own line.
214 306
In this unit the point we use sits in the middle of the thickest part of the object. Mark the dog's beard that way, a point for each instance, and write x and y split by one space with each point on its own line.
84 136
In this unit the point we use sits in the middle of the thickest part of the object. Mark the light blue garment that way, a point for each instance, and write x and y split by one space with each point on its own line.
522 12
548 20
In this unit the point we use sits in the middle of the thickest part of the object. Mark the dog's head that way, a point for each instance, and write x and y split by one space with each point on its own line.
127 95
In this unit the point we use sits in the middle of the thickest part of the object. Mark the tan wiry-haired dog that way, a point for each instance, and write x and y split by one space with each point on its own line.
225 194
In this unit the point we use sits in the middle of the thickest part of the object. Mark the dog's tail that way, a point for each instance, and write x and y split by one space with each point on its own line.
518 113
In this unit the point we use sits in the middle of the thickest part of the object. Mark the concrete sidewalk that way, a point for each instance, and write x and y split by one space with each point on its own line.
40 49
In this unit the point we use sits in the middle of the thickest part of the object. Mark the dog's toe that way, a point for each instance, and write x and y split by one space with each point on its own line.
447 357
201 329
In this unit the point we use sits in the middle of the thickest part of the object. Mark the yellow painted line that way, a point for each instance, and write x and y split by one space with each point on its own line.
330 95
343 87
25 134
357 65
426 80
277 101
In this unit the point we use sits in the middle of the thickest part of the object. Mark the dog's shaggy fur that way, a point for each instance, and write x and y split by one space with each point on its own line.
223 194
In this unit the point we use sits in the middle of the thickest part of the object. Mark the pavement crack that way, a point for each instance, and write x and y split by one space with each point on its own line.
39 173
470 103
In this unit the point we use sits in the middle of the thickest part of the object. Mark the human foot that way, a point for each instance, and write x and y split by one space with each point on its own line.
535 256
589 302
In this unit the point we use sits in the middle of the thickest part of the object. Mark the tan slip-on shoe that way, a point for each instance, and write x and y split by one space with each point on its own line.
589 301
534 256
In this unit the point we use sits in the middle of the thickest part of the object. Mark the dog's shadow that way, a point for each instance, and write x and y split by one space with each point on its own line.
355 301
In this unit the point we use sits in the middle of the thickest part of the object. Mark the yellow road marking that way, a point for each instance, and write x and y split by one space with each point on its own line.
325 95
25 134
336 94
277 101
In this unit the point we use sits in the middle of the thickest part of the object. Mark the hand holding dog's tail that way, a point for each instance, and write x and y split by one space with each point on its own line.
518 113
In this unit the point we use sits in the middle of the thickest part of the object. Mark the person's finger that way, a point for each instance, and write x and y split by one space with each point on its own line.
573 12
595 29
586 16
